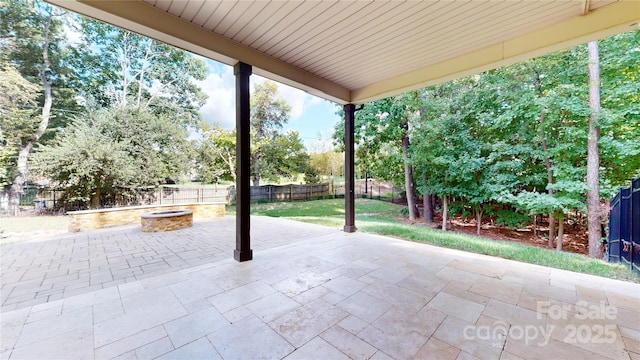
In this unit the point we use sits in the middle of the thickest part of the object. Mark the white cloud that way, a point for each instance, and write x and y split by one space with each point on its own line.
220 106
297 99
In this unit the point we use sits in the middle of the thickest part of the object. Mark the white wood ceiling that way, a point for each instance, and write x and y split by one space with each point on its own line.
368 49
359 42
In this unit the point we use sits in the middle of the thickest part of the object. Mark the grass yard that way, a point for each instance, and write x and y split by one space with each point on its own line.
29 228
333 208
31 223
380 217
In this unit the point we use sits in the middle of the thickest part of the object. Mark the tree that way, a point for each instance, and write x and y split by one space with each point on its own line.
269 113
408 165
274 154
382 135
311 175
31 34
447 151
481 140
142 98
115 67
593 156
18 108
114 151
217 154
284 156
619 118
549 102
329 163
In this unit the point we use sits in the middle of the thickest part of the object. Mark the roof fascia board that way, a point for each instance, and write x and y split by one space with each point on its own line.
613 19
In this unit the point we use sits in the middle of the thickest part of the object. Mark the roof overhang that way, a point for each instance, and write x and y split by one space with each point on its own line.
284 43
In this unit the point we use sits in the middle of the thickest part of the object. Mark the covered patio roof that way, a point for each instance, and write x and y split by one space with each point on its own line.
359 51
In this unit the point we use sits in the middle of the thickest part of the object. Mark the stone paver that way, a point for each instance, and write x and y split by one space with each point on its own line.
311 292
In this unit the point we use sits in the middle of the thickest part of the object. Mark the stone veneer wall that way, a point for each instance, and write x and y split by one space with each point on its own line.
98 219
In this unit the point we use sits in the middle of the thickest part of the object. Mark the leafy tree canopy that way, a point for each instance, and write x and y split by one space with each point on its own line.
113 151
274 154
115 67
18 118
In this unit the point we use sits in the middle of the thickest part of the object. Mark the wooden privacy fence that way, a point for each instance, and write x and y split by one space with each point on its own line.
291 192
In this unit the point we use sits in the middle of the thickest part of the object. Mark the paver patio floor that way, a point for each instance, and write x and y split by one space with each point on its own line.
311 292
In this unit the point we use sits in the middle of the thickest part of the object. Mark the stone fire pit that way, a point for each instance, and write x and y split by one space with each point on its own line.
166 220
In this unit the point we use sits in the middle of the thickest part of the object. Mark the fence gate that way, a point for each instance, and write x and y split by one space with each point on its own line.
623 242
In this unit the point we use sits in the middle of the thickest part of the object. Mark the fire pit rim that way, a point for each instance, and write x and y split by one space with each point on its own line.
166 214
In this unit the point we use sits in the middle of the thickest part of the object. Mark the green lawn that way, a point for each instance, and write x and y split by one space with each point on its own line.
380 217
33 223
333 208
19 229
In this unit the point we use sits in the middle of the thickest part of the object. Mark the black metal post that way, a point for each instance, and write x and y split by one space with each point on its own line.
366 182
243 250
349 178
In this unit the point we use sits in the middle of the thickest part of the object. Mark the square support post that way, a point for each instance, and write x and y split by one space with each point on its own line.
243 250
349 176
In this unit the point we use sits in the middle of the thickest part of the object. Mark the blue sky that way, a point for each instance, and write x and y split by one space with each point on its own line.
311 116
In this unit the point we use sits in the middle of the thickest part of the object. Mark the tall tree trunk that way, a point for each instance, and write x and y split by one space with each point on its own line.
548 165
593 156
552 230
25 149
256 169
478 220
444 212
228 158
427 204
408 174
124 66
427 199
560 232
141 79
17 187
95 198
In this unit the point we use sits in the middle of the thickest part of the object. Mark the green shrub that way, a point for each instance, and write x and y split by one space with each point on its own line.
511 219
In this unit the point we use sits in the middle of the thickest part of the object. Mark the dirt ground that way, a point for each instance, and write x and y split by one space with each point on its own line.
575 237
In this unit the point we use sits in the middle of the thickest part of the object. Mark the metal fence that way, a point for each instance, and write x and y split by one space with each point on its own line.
623 241
34 201
39 200
53 199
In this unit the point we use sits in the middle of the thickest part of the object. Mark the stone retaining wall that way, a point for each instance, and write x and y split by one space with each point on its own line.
98 219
